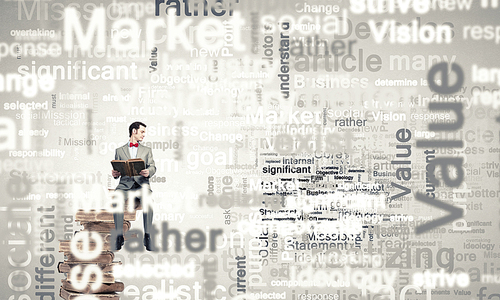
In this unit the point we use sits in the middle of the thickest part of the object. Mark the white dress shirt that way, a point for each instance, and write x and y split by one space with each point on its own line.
132 150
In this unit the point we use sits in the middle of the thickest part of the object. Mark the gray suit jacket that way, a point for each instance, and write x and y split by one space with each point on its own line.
122 153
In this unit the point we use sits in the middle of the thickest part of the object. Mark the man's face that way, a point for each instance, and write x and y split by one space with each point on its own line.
139 134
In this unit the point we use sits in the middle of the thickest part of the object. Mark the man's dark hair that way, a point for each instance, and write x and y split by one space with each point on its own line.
135 125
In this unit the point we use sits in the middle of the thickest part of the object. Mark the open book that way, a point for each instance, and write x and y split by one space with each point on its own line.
131 167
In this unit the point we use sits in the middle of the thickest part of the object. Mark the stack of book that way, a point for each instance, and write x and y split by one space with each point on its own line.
102 223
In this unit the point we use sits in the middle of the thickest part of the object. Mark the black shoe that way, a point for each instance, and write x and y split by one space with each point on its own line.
119 242
147 242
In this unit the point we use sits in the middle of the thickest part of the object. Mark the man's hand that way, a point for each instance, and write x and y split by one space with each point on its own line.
145 173
116 173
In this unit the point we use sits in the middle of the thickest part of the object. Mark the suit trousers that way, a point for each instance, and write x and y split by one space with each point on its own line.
147 213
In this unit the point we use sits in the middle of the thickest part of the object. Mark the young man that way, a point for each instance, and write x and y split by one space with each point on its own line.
133 149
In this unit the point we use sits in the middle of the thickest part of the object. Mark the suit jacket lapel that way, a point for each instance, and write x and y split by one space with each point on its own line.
140 151
126 152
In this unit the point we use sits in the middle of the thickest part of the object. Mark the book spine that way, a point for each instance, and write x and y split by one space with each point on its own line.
129 171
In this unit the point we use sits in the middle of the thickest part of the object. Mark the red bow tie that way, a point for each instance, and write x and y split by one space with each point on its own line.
134 145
